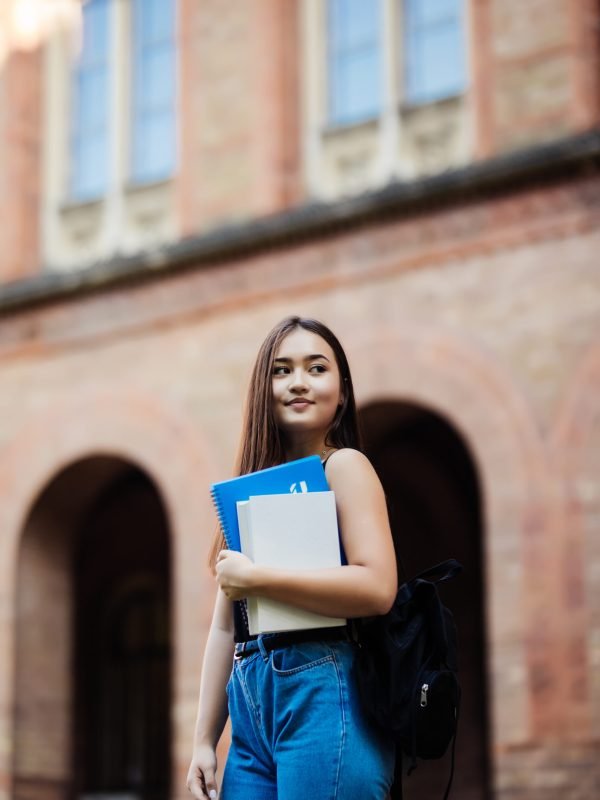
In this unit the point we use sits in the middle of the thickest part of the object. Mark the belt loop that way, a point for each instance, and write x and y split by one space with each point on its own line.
263 649
238 653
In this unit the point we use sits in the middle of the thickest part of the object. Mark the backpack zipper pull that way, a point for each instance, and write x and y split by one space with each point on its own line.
424 690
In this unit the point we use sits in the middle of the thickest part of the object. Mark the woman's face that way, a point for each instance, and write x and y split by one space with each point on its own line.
306 384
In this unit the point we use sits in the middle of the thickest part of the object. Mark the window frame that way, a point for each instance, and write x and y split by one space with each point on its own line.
79 131
414 94
335 50
142 172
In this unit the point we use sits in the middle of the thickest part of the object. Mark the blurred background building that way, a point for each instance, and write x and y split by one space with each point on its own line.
175 177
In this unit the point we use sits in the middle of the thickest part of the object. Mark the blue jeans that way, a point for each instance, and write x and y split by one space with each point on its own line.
298 730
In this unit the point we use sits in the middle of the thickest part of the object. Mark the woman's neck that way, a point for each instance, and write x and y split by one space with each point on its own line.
301 448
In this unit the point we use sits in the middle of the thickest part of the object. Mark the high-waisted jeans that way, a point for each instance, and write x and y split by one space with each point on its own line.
298 730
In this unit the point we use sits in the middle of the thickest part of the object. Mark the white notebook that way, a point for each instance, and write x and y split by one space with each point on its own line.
289 531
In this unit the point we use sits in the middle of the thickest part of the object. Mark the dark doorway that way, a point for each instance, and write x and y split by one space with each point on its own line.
122 644
434 502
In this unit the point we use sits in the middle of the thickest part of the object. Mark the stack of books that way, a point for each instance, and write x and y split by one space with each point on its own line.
283 517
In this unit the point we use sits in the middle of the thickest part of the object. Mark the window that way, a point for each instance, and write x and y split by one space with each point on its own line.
109 161
386 63
434 50
89 131
354 48
153 100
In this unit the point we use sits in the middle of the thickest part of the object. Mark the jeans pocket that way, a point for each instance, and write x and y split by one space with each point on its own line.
300 657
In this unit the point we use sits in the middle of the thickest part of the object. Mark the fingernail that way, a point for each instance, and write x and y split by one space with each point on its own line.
213 794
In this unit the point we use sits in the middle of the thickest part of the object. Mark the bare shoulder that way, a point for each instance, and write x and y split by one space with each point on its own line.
350 467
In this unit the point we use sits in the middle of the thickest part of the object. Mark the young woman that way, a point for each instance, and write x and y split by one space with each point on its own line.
297 728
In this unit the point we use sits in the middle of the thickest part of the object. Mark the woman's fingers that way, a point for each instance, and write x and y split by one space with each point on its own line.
195 784
234 573
210 784
202 783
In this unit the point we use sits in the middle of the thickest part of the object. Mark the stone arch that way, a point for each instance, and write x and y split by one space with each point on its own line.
92 636
434 502
576 447
160 441
460 381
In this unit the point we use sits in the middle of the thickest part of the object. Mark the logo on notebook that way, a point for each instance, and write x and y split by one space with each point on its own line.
299 488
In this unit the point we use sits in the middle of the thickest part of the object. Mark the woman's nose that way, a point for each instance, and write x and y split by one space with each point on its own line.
298 380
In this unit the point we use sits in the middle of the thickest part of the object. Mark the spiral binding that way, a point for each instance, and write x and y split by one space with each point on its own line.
217 505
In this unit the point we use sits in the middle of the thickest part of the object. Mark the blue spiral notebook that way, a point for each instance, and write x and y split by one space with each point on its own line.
303 475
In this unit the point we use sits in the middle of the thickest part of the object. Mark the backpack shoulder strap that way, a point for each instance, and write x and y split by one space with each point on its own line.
444 571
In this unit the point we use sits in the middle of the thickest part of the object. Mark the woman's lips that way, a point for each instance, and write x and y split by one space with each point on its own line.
300 403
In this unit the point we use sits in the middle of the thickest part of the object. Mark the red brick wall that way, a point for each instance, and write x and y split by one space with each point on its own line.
239 106
534 71
488 313
149 434
534 74
42 689
20 119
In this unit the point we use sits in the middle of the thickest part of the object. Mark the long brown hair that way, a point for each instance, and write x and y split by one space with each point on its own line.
261 443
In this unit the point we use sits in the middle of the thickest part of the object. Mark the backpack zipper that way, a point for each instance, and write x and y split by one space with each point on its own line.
424 690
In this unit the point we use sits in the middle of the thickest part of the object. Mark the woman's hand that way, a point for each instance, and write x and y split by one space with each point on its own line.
235 572
201 775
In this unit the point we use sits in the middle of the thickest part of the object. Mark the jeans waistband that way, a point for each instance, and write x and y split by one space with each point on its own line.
273 641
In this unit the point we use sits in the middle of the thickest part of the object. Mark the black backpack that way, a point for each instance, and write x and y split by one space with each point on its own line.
407 665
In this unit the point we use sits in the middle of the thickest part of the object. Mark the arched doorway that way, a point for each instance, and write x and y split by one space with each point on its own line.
92 688
434 501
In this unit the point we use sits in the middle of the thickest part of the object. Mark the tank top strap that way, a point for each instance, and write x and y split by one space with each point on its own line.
342 553
326 458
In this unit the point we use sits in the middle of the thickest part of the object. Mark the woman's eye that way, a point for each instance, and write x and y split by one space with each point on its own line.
280 370
317 368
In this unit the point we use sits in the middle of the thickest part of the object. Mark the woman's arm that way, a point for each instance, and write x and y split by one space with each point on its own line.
212 703
366 586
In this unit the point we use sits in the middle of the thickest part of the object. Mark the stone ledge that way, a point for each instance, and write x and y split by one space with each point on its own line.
542 163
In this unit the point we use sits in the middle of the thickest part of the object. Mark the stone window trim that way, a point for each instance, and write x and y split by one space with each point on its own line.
131 216
407 140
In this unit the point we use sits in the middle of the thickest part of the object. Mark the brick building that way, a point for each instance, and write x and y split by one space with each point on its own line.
421 176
